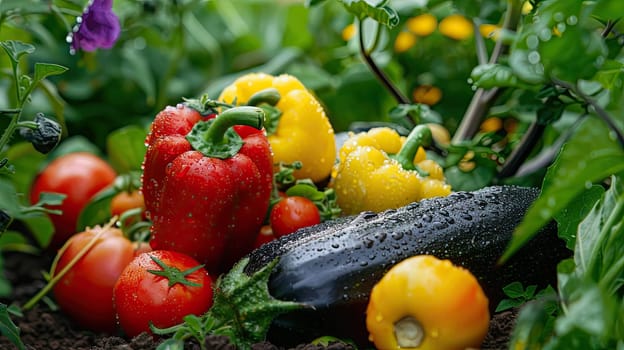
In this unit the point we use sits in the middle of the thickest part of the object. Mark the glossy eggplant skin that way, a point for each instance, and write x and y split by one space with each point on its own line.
333 266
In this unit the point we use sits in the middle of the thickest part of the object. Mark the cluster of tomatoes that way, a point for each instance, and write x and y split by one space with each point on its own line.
104 279
101 278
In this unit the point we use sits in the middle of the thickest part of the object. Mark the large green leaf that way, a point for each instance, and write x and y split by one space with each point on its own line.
559 41
569 218
589 156
126 148
600 245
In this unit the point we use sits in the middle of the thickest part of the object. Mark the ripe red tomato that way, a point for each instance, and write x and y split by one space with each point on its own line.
85 293
142 296
293 213
124 201
80 176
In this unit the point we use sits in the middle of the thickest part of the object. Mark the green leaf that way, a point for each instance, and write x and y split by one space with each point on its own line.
126 148
514 290
475 179
598 245
97 211
608 9
569 217
593 311
27 163
507 304
591 155
9 329
365 9
16 49
43 70
8 198
491 75
533 326
560 41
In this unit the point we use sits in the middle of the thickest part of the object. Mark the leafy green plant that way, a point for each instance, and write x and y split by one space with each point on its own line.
589 285
518 295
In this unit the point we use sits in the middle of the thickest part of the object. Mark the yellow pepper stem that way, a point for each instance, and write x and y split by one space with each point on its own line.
419 136
409 332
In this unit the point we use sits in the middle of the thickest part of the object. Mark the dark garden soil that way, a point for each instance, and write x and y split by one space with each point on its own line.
44 328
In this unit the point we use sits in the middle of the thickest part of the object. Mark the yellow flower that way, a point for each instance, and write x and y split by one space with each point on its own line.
489 31
526 7
456 27
404 41
348 32
422 25
427 94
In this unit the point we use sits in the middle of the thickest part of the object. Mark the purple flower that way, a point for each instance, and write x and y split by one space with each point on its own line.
98 27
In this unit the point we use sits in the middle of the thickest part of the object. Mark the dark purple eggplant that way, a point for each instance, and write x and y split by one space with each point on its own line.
333 266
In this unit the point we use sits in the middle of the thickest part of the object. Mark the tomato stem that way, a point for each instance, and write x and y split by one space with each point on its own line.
55 278
409 332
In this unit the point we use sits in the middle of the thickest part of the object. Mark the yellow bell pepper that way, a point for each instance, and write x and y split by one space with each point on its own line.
379 170
303 133
426 303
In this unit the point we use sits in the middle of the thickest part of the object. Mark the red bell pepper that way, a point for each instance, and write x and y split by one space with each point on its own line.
207 182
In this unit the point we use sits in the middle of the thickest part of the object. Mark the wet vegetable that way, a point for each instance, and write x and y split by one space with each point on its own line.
333 266
429 304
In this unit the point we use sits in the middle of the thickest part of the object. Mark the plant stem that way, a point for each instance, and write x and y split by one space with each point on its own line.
600 112
520 153
381 76
6 136
482 100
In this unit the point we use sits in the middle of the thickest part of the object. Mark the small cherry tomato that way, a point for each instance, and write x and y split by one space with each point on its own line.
429 304
124 201
293 213
85 292
80 176
160 287
264 236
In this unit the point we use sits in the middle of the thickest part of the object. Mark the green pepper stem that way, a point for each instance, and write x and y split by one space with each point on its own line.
419 136
215 138
269 96
243 115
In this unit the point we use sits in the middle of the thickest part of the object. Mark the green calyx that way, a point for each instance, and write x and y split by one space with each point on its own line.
173 274
243 310
215 138
419 136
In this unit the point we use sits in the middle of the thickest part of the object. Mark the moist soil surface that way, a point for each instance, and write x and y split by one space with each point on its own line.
45 327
